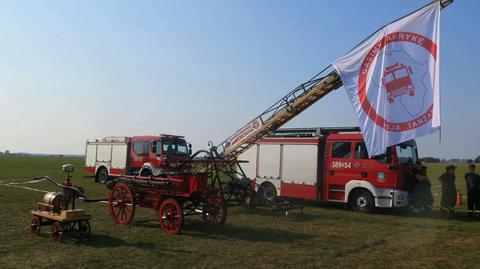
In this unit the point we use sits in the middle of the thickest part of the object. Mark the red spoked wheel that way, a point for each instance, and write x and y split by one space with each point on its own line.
35 225
215 210
170 215
56 232
121 204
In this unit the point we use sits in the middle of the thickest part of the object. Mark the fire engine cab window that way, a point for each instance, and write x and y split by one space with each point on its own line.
389 77
175 147
341 150
146 147
361 151
138 147
401 73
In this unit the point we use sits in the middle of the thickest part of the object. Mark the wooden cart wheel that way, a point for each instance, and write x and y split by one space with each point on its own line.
121 204
84 229
170 215
56 232
215 210
35 225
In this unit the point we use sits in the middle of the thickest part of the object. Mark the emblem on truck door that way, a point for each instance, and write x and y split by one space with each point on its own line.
381 176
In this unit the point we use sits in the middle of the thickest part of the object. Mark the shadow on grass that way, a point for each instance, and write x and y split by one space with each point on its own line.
197 228
105 241
360 248
293 214
435 214
403 212
252 234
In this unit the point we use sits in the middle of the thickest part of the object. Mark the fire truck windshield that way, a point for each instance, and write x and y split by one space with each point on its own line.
175 147
400 73
407 153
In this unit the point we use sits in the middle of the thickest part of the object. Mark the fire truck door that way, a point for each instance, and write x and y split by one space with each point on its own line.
339 169
374 170
139 154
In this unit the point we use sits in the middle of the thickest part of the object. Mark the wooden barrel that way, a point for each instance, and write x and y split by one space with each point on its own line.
54 199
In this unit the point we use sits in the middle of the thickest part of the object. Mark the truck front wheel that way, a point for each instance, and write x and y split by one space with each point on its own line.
362 201
146 173
102 176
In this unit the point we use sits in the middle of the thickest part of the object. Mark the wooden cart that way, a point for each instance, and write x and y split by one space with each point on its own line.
58 210
66 221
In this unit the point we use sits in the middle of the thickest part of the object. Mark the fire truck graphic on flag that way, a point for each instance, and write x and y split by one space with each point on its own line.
397 81
392 80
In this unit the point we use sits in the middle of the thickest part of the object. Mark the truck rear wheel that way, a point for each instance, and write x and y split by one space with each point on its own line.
267 190
102 176
362 201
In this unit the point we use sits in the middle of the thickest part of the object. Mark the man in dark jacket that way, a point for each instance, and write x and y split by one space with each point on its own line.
449 191
473 191
422 193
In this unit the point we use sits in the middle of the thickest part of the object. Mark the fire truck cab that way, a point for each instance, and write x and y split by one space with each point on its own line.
138 155
331 164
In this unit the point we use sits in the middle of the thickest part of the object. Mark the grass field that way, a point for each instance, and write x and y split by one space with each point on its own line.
323 237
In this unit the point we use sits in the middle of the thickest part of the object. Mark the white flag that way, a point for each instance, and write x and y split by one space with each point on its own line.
392 80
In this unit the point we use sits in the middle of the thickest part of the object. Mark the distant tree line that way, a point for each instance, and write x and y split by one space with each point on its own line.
452 160
430 160
23 154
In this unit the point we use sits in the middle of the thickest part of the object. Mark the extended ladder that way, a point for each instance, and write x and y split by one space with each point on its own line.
280 113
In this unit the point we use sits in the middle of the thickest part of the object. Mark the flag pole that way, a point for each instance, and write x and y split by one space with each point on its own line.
443 4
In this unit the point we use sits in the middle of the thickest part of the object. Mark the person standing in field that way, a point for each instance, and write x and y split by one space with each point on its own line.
422 193
473 191
449 191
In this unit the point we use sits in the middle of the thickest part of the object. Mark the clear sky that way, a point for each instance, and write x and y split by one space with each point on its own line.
71 70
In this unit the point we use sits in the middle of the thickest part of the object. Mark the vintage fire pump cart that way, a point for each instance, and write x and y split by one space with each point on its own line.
58 210
178 191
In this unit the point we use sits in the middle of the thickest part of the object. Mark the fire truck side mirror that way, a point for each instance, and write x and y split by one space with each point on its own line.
189 149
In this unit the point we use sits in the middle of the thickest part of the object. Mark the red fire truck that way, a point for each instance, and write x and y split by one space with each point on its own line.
398 81
330 164
138 155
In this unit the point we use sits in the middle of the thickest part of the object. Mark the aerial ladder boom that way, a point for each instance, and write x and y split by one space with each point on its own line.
294 103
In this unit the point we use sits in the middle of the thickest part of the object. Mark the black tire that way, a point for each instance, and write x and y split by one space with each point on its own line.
146 173
102 176
267 190
362 201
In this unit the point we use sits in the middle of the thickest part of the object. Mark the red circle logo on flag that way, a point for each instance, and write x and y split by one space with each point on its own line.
399 82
